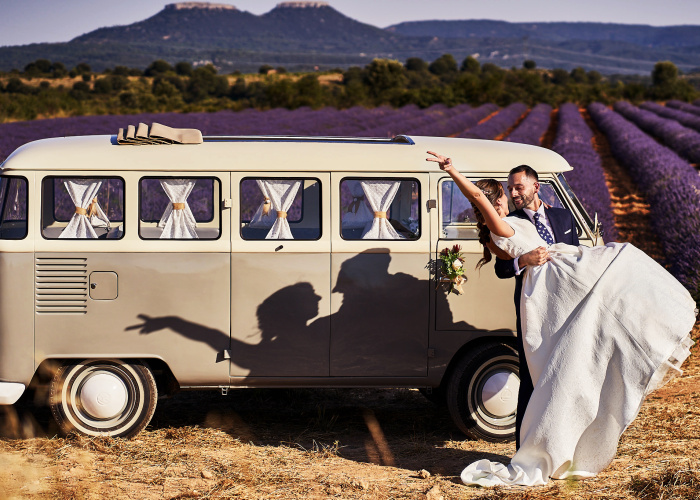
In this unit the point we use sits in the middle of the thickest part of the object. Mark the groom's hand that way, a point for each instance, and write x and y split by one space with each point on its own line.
535 257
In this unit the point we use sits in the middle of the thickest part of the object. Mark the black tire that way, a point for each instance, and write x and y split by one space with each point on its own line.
477 373
104 397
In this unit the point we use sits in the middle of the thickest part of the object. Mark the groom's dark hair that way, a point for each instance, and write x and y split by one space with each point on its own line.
529 171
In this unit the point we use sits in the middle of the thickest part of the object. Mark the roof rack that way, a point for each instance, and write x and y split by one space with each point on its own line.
157 134
399 139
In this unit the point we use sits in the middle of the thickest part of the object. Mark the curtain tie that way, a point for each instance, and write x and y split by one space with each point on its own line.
380 215
281 214
355 205
89 211
178 206
92 209
266 206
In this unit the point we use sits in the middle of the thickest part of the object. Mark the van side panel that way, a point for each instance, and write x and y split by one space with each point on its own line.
280 308
16 317
487 302
380 322
171 306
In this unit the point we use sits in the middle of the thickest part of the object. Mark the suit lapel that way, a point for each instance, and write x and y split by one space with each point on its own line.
556 223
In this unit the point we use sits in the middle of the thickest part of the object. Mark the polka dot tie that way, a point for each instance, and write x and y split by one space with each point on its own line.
542 230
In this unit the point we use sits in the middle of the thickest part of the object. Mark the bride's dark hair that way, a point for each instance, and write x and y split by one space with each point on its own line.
493 190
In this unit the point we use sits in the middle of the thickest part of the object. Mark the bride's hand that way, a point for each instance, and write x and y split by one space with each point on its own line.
443 162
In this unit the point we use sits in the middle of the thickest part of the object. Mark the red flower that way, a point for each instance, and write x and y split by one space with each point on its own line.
456 249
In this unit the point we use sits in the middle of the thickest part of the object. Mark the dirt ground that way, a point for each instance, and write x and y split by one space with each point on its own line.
333 443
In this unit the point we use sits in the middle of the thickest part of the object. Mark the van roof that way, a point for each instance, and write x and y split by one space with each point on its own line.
279 154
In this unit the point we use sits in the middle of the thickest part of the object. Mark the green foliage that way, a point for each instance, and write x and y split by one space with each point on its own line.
529 64
183 68
443 65
28 94
416 64
384 78
471 65
158 67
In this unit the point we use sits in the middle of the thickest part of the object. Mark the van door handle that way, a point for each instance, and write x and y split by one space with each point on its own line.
279 248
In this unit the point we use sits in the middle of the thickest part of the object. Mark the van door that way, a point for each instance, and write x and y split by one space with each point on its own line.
280 275
380 275
487 302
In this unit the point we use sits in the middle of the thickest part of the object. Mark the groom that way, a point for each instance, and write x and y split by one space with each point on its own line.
555 225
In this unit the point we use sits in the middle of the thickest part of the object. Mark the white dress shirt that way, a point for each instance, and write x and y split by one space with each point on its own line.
544 220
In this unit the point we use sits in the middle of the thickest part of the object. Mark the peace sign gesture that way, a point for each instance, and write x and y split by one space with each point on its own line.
444 162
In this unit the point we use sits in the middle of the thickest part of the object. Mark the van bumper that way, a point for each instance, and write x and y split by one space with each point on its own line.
10 392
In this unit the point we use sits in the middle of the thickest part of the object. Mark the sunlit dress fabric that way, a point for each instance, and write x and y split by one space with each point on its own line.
602 328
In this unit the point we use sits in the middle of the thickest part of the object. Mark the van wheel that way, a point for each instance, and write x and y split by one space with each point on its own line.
482 392
103 397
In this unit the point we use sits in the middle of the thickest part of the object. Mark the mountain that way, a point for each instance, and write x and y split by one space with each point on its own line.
647 36
306 26
302 35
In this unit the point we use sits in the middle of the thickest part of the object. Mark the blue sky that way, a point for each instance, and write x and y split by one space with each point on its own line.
33 21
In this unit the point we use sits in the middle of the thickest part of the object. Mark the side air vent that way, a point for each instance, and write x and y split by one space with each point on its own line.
61 286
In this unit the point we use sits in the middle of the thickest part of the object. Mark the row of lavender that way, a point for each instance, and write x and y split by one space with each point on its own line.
670 184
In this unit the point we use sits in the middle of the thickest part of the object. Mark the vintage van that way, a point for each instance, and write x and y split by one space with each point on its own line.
132 266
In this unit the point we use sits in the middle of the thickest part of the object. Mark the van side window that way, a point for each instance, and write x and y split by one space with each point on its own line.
280 209
380 209
179 208
82 208
13 208
458 219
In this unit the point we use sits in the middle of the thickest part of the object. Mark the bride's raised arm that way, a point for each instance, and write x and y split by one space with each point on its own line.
493 221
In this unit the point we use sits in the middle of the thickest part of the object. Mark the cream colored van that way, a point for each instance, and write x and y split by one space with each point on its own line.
131 269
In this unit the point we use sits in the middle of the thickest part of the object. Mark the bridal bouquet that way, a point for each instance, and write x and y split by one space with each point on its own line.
453 269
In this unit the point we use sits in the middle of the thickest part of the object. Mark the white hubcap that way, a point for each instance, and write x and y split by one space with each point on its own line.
500 393
103 395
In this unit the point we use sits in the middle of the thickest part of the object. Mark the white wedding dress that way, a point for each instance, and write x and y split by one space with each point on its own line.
602 328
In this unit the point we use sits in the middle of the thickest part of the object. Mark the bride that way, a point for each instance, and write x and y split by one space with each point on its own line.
602 328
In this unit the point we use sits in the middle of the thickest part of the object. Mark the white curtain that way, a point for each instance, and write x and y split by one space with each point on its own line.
380 194
264 216
88 213
281 194
178 221
358 214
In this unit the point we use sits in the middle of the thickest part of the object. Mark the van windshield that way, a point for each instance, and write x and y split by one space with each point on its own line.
13 208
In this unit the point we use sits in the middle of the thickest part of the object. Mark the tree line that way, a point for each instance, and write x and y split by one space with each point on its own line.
46 89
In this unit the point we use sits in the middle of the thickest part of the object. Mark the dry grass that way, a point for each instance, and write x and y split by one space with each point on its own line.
365 444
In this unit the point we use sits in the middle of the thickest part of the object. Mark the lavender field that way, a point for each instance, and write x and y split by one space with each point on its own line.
658 145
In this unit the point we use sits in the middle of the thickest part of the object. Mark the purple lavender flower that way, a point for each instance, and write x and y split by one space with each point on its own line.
671 186
533 127
687 119
497 124
684 106
684 141
573 142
